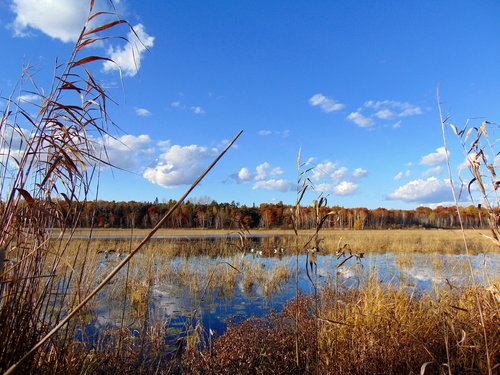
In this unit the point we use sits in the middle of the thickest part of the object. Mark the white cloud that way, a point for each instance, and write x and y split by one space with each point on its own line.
262 171
323 169
125 151
444 204
360 120
339 173
388 109
410 111
163 145
244 174
177 104
432 171
197 110
277 171
397 124
325 103
282 133
359 172
13 145
143 112
179 165
385 114
399 176
465 165
59 19
129 57
272 184
434 157
323 188
29 98
345 188
330 177
431 190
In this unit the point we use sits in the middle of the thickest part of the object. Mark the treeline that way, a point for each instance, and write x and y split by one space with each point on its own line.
103 214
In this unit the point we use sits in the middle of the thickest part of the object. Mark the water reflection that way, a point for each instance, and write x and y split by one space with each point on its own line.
184 290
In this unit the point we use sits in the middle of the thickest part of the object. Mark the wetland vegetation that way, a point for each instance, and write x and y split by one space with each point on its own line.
201 303
326 294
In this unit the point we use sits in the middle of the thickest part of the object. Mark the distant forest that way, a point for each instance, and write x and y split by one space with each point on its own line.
103 214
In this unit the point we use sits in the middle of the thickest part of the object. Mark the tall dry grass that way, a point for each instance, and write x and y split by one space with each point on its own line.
480 158
48 155
374 329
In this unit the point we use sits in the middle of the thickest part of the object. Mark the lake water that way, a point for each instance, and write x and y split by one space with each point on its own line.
174 301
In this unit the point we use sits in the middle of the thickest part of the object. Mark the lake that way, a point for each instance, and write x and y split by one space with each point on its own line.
177 292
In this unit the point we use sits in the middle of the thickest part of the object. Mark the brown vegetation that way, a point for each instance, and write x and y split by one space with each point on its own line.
372 330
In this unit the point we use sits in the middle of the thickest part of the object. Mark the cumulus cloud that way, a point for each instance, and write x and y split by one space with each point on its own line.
129 57
325 103
264 175
261 171
245 175
434 158
323 188
330 177
273 184
276 171
359 119
59 19
323 169
264 170
385 114
431 190
143 112
359 172
345 188
126 151
339 173
179 165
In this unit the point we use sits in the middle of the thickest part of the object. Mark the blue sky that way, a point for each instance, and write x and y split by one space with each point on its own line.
351 84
